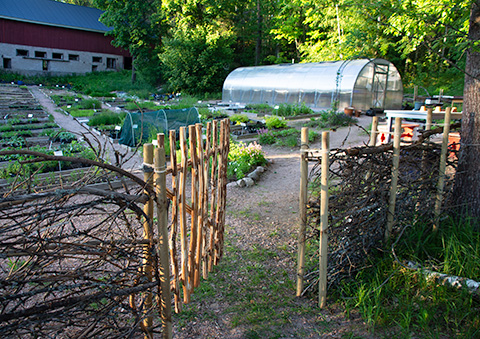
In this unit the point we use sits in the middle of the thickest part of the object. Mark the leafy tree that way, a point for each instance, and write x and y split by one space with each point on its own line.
196 61
138 26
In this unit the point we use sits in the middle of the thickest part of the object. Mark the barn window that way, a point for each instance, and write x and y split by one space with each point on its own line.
94 68
22 52
45 65
39 54
97 59
111 63
58 56
73 57
7 63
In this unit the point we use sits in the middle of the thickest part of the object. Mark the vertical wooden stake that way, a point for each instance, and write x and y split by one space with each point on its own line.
194 193
374 132
213 196
182 211
323 243
441 172
428 124
174 230
162 229
303 210
201 203
148 235
394 183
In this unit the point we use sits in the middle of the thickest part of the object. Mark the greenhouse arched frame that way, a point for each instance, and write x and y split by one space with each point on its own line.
361 83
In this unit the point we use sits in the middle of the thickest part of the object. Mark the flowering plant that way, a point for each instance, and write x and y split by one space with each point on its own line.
243 158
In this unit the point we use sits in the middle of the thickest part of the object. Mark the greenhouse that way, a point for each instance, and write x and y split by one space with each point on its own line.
143 127
361 83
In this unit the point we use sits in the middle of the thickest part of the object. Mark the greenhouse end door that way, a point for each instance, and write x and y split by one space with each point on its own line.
379 88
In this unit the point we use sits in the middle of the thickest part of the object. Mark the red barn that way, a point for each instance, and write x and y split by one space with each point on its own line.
54 38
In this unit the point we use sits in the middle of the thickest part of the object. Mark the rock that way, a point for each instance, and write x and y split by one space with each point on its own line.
260 169
232 184
255 175
248 181
241 183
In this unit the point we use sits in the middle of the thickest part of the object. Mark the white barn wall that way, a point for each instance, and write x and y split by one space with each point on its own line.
31 65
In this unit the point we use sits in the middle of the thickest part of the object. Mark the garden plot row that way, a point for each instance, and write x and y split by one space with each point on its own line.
25 125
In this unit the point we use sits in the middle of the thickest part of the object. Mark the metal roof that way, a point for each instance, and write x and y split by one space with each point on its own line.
53 13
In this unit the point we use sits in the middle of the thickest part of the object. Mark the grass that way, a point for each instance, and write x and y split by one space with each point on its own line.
389 295
258 296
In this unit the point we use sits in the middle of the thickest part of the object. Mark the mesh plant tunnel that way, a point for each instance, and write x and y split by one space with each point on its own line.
142 127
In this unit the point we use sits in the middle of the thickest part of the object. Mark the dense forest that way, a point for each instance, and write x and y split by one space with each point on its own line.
192 45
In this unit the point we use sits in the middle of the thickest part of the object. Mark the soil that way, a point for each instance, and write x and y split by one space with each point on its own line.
262 227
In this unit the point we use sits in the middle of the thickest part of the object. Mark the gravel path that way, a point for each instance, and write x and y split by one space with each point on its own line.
130 160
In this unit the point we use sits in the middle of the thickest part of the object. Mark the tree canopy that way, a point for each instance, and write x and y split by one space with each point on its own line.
425 39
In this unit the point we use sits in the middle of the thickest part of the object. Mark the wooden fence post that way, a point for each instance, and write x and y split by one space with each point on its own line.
393 188
182 211
441 172
174 230
374 132
148 235
303 210
323 250
428 124
162 229
194 203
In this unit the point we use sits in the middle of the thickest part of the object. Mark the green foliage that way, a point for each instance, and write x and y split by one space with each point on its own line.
107 118
242 159
89 104
287 110
78 112
331 119
238 118
274 122
148 105
259 108
286 137
387 294
196 61
14 168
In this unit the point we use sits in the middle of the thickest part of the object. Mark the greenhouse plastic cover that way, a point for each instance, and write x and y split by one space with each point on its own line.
143 127
361 83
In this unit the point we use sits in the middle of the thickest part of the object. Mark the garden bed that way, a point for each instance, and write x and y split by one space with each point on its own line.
24 124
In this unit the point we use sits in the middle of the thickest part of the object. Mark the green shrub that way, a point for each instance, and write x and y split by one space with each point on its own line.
275 122
76 112
239 118
90 104
132 106
287 110
107 118
242 159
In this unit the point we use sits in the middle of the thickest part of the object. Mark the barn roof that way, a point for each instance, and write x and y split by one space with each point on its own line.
53 13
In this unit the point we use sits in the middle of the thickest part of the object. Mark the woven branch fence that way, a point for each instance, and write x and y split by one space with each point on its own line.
87 257
360 198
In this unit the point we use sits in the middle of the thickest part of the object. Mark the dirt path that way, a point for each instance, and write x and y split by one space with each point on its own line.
251 294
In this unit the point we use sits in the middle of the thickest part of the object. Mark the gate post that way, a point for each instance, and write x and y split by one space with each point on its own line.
303 211
148 235
323 242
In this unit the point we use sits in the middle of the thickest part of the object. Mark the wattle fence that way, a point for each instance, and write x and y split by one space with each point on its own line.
106 253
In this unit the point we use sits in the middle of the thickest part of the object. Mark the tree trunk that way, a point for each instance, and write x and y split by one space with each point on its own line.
258 45
467 181
134 74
